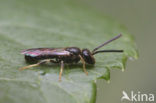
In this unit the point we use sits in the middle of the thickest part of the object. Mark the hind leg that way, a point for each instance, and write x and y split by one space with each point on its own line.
37 64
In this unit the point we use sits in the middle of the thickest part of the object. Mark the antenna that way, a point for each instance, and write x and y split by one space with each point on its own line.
118 36
100 51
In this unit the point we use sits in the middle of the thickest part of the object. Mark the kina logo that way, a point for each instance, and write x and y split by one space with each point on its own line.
137 97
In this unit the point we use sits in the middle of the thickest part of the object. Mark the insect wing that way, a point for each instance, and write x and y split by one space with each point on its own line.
45 51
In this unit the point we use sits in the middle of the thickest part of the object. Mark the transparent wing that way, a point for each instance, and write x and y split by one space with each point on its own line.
45 51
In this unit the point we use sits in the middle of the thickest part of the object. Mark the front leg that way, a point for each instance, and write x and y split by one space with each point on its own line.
84 64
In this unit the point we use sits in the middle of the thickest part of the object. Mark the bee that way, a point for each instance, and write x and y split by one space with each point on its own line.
67 55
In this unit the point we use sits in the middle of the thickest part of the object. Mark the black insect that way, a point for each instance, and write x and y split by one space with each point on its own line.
64 55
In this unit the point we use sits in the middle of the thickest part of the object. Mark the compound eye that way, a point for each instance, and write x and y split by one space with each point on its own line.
88 57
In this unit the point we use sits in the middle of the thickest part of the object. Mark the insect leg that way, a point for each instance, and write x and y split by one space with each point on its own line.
84 64
54 61
61 70
34 65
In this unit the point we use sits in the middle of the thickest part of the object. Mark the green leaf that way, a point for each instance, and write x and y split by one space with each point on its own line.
56 23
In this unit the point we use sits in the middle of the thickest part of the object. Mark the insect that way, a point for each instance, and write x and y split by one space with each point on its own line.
67 55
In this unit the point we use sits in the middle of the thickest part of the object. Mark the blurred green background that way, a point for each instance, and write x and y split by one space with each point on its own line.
139 16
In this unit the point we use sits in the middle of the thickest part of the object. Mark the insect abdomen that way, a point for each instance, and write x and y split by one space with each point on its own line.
32 60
